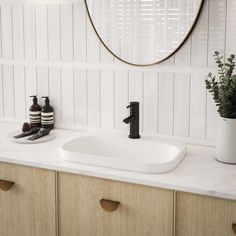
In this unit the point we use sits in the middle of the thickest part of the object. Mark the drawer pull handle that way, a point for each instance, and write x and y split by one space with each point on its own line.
234 227
5 185
109 205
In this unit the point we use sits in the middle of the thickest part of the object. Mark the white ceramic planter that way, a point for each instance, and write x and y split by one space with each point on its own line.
226 141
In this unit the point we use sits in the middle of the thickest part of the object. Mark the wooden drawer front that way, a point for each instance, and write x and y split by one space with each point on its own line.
198 215
143 211
28 207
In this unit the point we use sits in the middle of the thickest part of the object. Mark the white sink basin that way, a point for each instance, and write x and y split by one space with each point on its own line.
143 155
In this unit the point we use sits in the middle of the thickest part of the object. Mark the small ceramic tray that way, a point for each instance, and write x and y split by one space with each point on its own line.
24 140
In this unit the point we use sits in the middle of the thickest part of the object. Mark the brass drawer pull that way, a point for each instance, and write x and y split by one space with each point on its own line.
234 227
5 185
109 205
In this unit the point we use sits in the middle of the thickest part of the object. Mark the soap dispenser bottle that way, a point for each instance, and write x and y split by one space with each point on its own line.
47 115
35 113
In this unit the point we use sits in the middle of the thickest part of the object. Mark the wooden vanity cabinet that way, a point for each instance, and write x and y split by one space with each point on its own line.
198 215
125 210
27 201
38 202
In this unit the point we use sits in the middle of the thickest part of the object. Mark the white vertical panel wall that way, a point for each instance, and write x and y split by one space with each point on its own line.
53 50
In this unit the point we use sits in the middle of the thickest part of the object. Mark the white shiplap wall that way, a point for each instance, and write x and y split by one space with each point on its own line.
53 50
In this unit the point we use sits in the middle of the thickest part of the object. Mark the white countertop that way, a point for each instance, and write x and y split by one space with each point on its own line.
198 173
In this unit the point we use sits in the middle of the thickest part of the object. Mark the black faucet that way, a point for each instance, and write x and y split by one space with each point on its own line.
133 119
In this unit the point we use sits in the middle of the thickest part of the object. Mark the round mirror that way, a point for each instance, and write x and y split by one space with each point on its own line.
143 32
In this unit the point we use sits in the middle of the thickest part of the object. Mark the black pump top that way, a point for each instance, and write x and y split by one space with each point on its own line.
35 100
46 100
47 107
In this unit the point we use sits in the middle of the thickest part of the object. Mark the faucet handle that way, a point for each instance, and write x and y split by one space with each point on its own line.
133 104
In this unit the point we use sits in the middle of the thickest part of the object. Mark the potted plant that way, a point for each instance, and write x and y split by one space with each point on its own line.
223 90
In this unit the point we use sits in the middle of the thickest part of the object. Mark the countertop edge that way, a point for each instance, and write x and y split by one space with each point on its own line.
97 174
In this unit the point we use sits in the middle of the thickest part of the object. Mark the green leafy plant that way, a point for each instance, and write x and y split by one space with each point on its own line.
223 87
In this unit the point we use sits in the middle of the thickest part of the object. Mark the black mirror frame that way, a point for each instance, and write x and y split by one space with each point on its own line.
158 62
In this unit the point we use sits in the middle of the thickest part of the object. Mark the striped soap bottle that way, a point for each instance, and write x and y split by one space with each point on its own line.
35 113
47 115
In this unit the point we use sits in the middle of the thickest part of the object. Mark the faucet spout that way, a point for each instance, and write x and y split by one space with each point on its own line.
128 119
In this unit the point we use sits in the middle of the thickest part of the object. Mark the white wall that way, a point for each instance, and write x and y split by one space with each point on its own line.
52 50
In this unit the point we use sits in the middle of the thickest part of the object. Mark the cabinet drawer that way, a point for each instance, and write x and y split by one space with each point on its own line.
198 215
27 208
143 211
